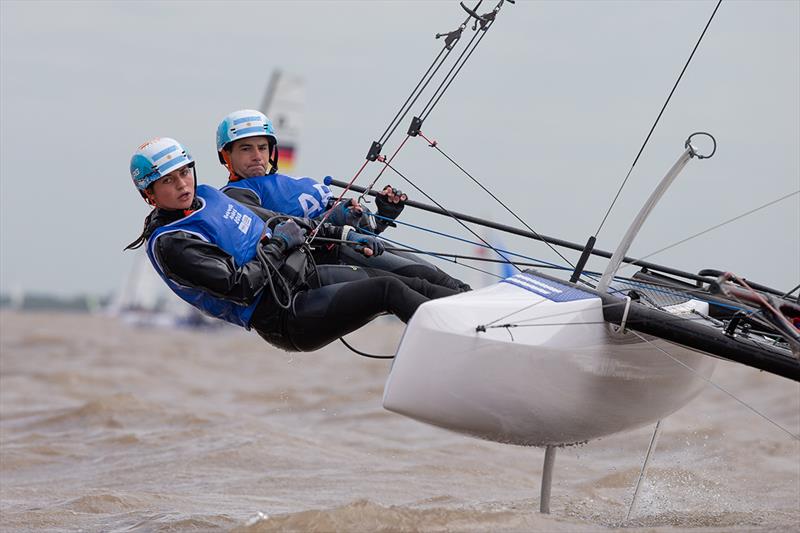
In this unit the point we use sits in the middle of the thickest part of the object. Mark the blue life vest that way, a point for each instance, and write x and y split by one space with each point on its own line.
299 197
233 228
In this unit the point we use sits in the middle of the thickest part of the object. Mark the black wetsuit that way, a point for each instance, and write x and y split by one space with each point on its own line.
408 265
332 301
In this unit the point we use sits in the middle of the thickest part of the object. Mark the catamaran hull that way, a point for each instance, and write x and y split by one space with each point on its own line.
560 377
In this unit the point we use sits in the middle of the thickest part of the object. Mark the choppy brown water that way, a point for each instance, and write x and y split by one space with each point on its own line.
107 428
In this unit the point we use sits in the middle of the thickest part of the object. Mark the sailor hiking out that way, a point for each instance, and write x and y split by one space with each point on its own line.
247 145
221 257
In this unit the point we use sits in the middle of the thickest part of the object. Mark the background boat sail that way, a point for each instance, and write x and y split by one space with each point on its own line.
284 103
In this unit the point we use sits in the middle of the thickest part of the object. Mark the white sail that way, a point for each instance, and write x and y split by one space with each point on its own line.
145 300
283 103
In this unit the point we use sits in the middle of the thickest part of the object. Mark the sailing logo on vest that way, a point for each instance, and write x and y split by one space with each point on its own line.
242 221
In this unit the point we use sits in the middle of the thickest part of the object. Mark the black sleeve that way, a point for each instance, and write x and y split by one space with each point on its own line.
192 262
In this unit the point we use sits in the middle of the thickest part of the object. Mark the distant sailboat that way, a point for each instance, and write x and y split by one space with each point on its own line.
144 300
283 104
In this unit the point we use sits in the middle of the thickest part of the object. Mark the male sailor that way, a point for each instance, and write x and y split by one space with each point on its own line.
247 146
222 258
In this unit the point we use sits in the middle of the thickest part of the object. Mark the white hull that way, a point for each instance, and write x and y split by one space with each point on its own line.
551 384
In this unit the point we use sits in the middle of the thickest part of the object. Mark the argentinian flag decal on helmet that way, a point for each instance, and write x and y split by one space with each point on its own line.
242 124
157 158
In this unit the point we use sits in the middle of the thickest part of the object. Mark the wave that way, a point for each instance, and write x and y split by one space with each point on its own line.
363 515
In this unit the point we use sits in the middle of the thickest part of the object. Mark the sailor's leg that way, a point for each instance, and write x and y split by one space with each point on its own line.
322 315
408 265
330 274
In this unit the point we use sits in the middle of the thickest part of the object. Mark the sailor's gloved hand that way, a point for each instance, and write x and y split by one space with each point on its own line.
306 224
289 235
390 204
366 244
346 213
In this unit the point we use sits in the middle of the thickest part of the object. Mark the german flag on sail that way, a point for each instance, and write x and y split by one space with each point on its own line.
286 158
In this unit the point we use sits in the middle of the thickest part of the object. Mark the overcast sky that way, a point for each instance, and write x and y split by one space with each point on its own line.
550 112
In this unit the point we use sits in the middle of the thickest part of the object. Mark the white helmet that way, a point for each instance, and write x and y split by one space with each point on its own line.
246 123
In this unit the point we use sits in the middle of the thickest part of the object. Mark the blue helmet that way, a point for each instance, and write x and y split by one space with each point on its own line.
155 159
241 124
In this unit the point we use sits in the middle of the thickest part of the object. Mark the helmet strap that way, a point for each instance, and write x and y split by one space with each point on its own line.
273 159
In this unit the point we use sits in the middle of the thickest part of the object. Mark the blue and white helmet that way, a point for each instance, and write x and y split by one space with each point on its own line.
155 159
241 124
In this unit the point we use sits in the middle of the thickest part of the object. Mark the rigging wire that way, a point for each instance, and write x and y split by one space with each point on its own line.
614 201
407 248
426 111
626 265
786 294
486 21
502 251
663 108
435 145
398 118
313 234
451 39
442 257
386 163
451 215
719 387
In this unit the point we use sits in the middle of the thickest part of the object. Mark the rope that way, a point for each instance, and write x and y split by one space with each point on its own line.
364 354
442 257
719 388
385 165
381 139
657 119
311 237
467 241
434 144
440 206
423 114
713 228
